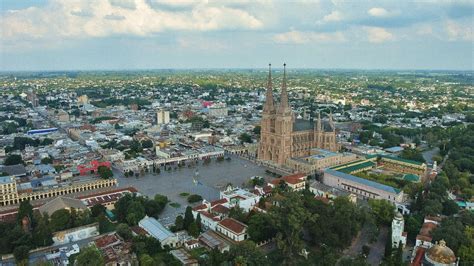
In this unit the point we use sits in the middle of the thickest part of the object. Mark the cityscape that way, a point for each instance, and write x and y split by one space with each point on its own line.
219 158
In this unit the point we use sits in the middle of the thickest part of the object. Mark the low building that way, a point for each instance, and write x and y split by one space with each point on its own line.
364 188
184 257
212 240
60 203
295 182
319 160
115 251
232 229
239 197
76 234
158 231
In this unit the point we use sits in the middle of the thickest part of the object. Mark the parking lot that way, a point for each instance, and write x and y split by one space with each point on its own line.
205 180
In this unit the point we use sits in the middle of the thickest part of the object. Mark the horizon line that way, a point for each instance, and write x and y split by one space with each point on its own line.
230 68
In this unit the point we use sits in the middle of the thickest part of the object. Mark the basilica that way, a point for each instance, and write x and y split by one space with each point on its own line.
283 137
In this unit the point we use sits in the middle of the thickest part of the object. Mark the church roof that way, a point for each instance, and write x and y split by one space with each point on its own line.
302 125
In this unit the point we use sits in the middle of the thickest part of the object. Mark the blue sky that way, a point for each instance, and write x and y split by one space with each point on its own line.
154 34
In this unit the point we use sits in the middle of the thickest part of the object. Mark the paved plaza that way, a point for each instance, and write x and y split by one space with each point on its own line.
210 179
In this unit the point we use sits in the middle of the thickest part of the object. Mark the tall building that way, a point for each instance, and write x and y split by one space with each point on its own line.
282 136
162 117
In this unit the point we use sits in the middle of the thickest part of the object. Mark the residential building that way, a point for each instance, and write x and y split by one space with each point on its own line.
232 229
8 189
162 117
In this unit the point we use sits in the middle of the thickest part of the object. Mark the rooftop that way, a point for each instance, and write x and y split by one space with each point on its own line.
362 181
6 179
155 228
233 225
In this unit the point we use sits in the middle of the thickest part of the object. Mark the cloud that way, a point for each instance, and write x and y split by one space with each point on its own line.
114 17
333 16
101 18
298 37
128 4
457 31
378 12
378 35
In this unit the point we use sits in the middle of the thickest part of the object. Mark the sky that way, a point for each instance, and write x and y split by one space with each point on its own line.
162 34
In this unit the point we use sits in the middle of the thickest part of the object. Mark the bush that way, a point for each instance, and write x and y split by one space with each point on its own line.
194 198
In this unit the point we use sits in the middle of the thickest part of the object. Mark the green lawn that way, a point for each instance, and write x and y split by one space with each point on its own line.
175 205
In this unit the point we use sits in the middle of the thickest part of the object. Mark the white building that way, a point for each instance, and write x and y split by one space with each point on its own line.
158 231
239 197
162 117
398 236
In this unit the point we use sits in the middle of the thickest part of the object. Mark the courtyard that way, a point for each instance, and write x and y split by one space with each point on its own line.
205 180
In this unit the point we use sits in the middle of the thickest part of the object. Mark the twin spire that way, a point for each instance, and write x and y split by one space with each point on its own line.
284 107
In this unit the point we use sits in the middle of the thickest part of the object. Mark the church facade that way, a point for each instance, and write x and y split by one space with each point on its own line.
282 136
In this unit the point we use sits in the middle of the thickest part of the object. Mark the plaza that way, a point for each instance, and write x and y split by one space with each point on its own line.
205 180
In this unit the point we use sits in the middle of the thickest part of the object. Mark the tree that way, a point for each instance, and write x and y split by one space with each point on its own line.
147 144
198 221
245 138
42 235
161 200
289 219
179 223
383 211
193 229
47 160
25 209
194 198
97 210
153 208
257 129
13 159
188 217
103 224
257 181
248 254
21 253
89 256
260 227
60 220
124 231
466 250
450 207
105 172
147 260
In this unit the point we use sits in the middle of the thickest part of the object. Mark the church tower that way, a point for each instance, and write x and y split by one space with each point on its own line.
267 124
284 124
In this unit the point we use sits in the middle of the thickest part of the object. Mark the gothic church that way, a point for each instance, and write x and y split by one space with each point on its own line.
282 136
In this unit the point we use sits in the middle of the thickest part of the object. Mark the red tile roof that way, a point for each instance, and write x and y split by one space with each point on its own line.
233 225
106 240
420 253
220 209
200 207
220 201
